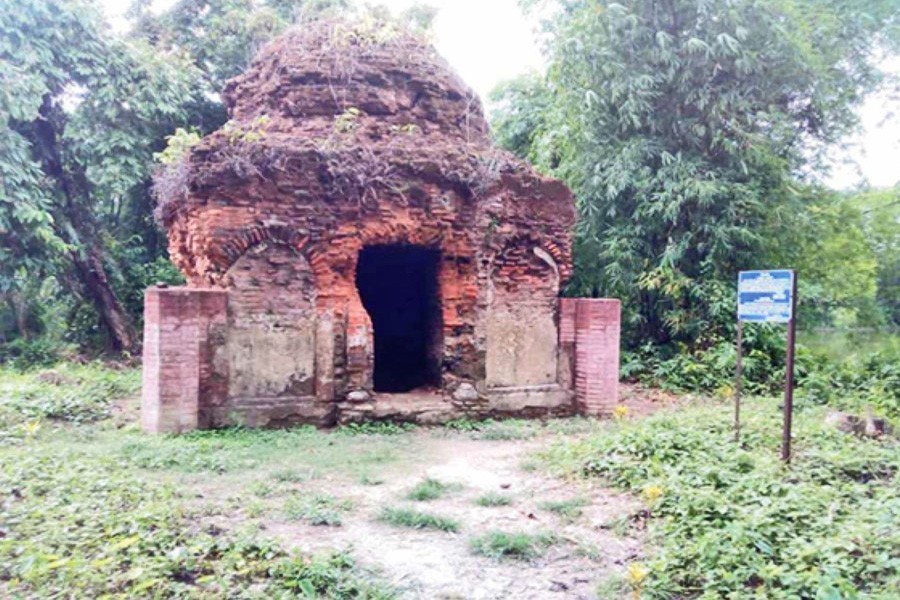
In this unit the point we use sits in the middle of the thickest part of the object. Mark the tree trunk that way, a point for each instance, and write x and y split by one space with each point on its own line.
92 275
20 308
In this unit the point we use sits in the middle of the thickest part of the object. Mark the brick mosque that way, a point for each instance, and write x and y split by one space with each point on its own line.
356 248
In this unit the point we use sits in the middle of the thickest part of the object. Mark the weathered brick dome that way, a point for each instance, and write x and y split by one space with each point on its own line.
371 239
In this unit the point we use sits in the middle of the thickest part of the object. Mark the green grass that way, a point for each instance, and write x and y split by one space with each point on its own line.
370 479
83 526
430 489
727 518
67 393
318 509
375 428
414 519
79 520
289 475
238 449
493 499
519 546
569 509
507 430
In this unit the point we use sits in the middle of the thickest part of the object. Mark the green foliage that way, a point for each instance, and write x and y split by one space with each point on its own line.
77 139
880 214
83 526
430 489
519 546
238 449
509 429
847 380
319 509
868 380
23 354
375 428
85 112
407 517
293 475
69 393
728 520
681 129
463 424
177 146
493 499
492 429
569 509
827 244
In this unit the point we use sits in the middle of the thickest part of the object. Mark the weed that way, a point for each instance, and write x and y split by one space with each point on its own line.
261 489
320 509
493 499
463 424
404 517
731 516
369 479
72 393
529 465
615 586
569 509
375 428
520 546
430 489
294 475
508 430
309 451
255 509
85 526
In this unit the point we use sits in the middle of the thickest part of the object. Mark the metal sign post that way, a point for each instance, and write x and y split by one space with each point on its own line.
738 378
768 297
789 376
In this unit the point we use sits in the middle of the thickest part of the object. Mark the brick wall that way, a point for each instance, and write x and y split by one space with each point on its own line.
595 324
177 325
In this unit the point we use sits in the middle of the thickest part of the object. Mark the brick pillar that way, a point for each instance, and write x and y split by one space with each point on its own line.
597 323
176 327
567 310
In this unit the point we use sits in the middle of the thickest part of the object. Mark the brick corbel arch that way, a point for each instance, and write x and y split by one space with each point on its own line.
542 248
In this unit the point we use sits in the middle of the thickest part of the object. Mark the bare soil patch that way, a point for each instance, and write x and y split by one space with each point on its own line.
428 563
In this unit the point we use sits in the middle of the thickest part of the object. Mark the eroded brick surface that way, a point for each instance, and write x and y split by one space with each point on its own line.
344 137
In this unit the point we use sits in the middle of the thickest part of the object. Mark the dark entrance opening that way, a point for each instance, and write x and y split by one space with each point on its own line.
398 288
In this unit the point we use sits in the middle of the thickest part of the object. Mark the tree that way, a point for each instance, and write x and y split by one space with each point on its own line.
681 126
880 213
80 112
829 247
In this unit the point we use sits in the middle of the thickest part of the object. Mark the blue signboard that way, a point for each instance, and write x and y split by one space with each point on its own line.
765 296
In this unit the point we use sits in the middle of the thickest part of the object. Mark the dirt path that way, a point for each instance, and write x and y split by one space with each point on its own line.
434 564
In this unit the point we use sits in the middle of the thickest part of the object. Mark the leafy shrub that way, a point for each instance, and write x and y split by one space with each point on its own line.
871 379
22 354
729 521
520 546
866 378
406 517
